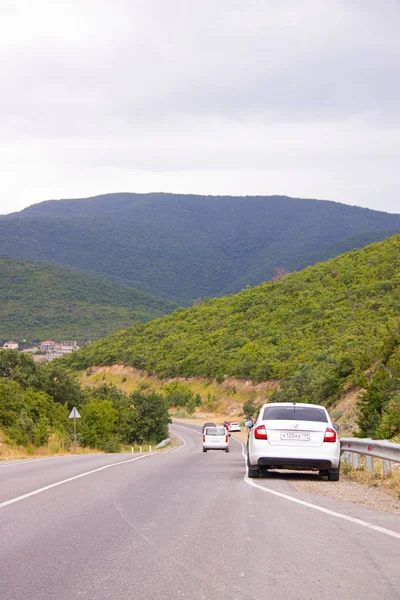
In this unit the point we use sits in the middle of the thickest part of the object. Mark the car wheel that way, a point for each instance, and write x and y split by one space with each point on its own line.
204 450
227 450
253 473
333 474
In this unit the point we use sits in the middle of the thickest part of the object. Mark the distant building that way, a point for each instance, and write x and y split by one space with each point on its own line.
11 345
67 347
53 349
48 346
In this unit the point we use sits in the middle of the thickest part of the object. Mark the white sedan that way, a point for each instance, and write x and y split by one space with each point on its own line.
293 436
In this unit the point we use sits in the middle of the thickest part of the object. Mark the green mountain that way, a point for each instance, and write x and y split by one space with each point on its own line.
38 301
317 330
183 247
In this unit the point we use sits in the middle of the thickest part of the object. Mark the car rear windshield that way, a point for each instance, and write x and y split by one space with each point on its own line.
297 413
215 431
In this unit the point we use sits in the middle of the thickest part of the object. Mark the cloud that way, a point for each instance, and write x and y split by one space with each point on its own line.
144 89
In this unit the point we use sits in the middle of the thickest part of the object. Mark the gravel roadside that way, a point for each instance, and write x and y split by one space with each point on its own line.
349 491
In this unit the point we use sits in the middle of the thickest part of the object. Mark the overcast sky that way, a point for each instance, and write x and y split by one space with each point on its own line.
241 97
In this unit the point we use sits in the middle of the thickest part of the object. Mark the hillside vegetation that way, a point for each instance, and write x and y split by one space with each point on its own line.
39 301
36 399
332 325
184 247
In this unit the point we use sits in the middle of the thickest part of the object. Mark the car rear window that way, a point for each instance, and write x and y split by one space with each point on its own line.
215 431
297 413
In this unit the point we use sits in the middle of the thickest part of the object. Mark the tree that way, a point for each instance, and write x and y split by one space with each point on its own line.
390 422
179 394
98 423
249 409
150 417
190 406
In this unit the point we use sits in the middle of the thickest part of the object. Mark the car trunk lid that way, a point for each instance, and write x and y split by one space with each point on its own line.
295 433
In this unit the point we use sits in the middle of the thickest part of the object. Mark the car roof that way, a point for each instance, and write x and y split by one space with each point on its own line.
293 404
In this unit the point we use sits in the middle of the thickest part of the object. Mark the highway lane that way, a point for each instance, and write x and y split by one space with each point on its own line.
21 477
186 525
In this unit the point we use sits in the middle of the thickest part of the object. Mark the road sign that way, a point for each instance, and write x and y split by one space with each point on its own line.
74 414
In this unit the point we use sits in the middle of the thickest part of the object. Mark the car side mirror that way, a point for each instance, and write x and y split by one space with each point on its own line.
249 423
336 427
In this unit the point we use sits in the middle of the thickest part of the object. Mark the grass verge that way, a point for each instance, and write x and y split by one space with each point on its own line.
376 478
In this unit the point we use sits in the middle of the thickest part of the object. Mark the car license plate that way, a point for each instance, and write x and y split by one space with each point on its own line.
295 435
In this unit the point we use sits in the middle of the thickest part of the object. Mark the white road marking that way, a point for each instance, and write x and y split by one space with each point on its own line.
57 483
187 428
183 443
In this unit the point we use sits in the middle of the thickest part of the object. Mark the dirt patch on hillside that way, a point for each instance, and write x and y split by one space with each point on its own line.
344 412
264 387
121 370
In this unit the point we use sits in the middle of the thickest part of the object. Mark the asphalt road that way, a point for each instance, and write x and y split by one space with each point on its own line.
184 524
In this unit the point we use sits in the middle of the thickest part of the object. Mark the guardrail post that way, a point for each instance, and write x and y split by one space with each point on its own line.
387 468
355 460
348 458
149 448
370 464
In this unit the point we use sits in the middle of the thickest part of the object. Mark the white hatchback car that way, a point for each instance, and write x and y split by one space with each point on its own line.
293 436
215 438
234 426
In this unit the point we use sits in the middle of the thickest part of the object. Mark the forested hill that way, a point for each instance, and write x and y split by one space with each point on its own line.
183 246
38 301
317 330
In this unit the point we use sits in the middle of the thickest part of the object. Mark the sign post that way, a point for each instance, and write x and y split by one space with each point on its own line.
74 415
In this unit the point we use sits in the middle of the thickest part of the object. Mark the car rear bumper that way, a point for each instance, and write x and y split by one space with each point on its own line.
263 454
295 463
215 447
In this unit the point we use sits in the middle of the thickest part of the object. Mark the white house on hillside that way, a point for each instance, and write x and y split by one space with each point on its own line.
11 345
48 346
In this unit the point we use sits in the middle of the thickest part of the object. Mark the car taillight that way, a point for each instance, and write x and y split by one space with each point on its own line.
226 438
330 435
260 433
204 438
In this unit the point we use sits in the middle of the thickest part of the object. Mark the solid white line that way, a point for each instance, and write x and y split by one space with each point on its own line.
57 483
332 513
186 428
182 440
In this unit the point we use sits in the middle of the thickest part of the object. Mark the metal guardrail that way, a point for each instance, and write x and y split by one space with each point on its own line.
163 443
378 448
351 448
